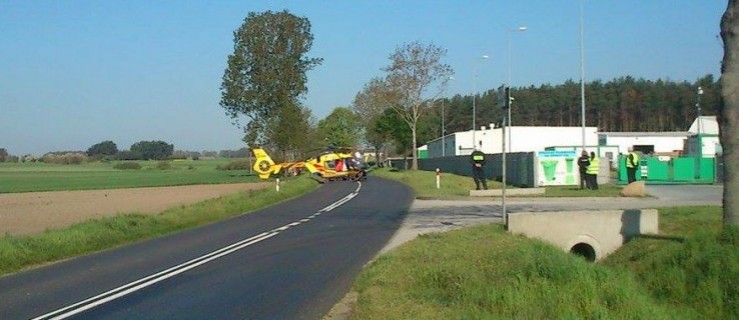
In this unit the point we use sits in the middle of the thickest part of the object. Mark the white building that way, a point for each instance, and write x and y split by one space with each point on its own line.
704 129
522 139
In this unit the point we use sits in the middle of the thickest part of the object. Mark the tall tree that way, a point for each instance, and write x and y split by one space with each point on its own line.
3 154
266 76
340 128
107 148
152 150
416 76
370 104
391 123
729 119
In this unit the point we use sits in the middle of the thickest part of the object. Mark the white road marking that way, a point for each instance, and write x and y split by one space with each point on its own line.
128 288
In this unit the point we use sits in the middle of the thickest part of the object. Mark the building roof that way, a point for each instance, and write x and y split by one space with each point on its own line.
647 134
709 125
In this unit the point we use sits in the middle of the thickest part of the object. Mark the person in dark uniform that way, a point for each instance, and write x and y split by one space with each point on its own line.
478 174
582 163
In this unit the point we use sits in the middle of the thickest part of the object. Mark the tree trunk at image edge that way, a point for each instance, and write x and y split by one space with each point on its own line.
729 113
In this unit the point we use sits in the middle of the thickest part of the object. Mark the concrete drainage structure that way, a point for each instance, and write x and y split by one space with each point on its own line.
591 234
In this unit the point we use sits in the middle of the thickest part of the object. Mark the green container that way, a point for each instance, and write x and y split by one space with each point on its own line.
550 168
570 165
622 175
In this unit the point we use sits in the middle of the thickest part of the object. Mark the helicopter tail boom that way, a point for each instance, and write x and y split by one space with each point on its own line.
264 165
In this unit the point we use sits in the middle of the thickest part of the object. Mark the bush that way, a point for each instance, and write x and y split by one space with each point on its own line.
235 165
128 155
67 158
164 165
127 166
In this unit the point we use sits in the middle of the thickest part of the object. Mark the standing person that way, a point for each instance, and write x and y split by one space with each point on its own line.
478 174
632 163
582 163
593 171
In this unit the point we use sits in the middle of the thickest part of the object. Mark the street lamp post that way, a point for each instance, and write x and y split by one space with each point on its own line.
698 105
508 44
443 130
443 127
582 74
700 139
474 94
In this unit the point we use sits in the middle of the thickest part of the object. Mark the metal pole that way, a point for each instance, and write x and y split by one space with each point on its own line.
510 117
443 131
503 167
582 74
698 104
508 44
474 95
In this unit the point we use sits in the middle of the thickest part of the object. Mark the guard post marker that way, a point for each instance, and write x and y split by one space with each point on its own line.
277 184
438 178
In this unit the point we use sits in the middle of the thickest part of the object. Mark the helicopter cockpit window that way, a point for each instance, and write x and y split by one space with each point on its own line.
331 164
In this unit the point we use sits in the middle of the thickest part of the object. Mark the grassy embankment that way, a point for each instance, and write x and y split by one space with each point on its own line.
456 186
690 271
19 252
29 177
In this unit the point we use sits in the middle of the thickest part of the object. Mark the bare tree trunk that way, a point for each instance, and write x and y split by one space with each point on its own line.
729 112
414 162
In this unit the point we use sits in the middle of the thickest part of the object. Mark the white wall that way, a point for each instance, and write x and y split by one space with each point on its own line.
524 139
660 143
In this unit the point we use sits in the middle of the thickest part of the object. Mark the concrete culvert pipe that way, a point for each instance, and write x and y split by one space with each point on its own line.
584 250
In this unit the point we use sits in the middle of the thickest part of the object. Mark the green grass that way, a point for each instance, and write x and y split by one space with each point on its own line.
29 177
604 190
690 272
693 266
424 182
456 186
17 252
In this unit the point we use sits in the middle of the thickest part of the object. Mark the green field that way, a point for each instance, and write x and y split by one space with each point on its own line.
28 177
20 252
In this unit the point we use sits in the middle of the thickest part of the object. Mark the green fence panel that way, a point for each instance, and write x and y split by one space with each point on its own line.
684 169
707 169
657 170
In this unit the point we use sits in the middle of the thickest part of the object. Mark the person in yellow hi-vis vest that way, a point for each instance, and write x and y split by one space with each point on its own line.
478 173
592 171
632 163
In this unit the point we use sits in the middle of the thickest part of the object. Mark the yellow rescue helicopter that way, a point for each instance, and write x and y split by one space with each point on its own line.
331 164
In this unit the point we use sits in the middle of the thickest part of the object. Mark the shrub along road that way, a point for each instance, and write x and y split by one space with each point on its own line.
290 261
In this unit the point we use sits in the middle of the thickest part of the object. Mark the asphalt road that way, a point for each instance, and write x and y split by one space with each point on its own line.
291 261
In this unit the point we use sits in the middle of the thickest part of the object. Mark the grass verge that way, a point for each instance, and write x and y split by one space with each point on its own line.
604 190
424 182
691 271
456 186
17 253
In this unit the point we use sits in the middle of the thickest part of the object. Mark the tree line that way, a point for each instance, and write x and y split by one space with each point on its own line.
623 104
108 150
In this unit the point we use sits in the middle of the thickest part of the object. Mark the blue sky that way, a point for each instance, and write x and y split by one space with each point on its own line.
75 73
